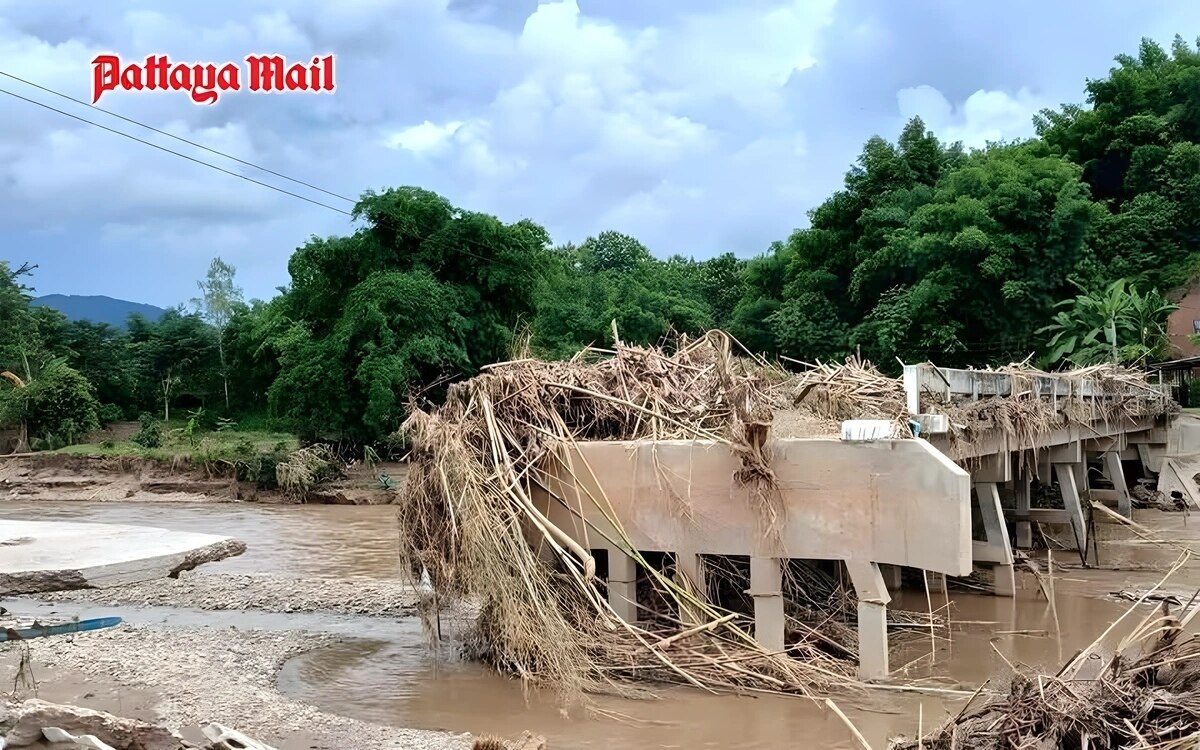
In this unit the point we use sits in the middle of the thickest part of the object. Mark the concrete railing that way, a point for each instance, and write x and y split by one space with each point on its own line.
975 384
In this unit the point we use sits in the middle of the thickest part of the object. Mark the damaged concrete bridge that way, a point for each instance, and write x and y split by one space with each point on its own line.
42 556
1088 428
876 503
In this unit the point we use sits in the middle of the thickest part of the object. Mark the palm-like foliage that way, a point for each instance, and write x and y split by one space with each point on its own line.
1117 324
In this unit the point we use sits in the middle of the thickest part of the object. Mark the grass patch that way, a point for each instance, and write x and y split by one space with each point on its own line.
216 445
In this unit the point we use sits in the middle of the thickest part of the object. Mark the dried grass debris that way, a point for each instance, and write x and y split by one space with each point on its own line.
469 523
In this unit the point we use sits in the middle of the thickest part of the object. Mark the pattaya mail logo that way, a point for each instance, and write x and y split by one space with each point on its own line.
205 82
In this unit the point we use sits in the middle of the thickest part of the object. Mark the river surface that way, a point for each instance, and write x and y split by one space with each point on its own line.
387 674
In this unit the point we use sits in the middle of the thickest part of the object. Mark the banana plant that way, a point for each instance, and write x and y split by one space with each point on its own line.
1117 324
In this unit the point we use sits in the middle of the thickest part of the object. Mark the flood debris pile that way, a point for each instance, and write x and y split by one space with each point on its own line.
854 389
469 522
1027 415
1145 693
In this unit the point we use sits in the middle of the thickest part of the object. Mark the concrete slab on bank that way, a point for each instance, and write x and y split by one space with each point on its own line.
41 556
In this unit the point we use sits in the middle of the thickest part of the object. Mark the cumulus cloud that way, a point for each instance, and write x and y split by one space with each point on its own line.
984 117
700 128
425 139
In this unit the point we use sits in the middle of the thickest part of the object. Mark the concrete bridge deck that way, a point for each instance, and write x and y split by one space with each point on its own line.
1110 423
892 502
41 556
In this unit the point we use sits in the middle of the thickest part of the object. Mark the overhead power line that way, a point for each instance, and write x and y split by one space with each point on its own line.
177 153
383 219
176 137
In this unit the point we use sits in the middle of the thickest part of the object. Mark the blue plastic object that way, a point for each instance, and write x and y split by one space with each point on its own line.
41 631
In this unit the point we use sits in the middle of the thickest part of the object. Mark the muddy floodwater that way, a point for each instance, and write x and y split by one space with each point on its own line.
386 674
320 541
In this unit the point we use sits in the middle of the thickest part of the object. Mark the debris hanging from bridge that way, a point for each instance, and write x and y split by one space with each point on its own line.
471 529
468 519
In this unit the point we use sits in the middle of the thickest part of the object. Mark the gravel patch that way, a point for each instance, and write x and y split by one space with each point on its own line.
228 676
371 598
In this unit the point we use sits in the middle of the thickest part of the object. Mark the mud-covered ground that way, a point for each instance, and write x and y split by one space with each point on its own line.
214 591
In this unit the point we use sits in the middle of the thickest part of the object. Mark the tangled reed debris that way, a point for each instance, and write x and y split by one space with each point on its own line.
1027 415
1142 694
469 521
852 390
470 524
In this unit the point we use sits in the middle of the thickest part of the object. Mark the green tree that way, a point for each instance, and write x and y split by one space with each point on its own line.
27 333
219 299
56 406
1138 142
252 351
177 354
100 353
978 268
423 293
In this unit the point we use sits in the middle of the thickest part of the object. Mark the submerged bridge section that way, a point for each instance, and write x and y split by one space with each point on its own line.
889 502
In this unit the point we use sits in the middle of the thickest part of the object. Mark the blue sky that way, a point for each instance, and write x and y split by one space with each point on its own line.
699 131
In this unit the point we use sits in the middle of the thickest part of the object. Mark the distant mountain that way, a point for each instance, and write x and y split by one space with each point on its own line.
98 309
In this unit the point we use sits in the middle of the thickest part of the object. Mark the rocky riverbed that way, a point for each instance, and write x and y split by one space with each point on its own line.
186 677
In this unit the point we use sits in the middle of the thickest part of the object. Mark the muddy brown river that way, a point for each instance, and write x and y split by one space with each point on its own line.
386 674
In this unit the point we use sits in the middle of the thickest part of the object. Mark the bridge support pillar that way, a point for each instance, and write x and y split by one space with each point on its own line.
1021 491
766 587
1065 474
873 599
998 549
1116 475
622 584
689 573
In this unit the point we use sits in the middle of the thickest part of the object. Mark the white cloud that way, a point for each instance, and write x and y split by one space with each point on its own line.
984 117
426 139
699 127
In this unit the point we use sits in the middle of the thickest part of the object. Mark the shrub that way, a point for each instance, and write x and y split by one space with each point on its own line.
109 413
57 407
150 435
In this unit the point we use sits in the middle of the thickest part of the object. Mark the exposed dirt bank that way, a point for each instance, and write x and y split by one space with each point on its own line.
209 591
53 476
183 677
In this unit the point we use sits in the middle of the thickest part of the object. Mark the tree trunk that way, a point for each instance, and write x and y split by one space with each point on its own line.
166 384
22 439
224 371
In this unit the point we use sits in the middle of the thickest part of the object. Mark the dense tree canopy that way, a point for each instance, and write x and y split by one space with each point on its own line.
424 292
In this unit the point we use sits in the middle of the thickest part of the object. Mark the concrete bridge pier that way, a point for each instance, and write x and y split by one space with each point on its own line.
1116 474
622 584
1022 480
1068 487
766 588
690 574
1109 450
873 599
992 471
